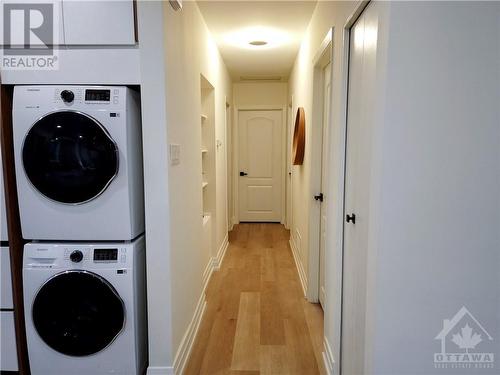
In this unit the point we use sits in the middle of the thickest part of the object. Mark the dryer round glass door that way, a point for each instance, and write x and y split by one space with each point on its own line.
69 157
78 313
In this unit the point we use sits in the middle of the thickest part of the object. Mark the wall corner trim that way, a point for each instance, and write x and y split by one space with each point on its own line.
217 261
328 357
298 264
152 370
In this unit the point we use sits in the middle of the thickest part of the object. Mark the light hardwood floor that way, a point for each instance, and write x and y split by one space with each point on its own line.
257 320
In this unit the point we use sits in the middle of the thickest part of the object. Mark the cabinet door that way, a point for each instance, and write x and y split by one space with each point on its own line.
5 279
8 351
35 24
104 22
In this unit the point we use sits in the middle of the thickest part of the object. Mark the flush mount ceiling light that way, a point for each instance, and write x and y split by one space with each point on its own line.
258 43
257 37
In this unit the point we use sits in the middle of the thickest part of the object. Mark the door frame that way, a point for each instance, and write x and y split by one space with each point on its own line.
322 58
236 181
228 163
290 123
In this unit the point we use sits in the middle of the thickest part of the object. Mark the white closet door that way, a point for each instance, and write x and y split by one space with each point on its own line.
361 115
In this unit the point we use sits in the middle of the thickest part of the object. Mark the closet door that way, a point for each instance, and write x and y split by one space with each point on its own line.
360 123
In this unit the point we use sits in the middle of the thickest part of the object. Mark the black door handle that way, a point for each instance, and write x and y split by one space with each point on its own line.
243 174
351 218
319 197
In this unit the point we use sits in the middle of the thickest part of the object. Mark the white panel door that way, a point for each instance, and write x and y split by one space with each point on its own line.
104 22
360 119
324 179
260 165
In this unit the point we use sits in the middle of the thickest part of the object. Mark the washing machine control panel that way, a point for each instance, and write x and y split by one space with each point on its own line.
106 255
79 98
78 256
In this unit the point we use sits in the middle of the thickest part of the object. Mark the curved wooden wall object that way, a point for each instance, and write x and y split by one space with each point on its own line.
299 137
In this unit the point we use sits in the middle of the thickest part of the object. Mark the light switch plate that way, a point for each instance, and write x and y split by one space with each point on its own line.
175 154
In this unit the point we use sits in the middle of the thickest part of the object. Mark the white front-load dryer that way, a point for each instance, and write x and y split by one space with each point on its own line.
78 158
85 308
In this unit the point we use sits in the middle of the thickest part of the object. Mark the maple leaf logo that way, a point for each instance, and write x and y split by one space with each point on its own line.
466 340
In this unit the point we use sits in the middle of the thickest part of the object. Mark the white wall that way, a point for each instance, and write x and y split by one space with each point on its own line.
327 14
190 51
176 48
156 184
438 245
260 93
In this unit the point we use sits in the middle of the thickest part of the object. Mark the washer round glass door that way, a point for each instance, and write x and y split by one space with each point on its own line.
69 157
78 313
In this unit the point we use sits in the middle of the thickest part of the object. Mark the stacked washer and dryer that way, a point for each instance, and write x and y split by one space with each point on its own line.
78 156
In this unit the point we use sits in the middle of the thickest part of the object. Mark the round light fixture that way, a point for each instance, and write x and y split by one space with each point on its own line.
257 38
257 43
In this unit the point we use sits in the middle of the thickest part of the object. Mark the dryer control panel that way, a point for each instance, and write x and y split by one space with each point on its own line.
80 256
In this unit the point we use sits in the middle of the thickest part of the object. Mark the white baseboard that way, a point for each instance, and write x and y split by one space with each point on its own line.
160 371
187 342
207 274
217 261
300 267
328 357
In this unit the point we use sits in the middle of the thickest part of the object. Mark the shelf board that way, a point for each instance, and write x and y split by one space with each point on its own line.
204 151
204 184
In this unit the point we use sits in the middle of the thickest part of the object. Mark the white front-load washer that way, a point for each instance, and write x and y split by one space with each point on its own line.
78 158
85 308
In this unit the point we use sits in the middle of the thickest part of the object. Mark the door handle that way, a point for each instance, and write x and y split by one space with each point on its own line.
351 218
243 174
319 197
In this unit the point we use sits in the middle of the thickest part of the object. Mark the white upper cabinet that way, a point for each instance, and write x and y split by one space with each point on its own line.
105 22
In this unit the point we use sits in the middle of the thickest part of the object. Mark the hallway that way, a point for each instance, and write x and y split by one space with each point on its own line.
257 320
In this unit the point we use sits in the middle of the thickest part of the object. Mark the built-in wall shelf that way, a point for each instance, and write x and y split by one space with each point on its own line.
208 155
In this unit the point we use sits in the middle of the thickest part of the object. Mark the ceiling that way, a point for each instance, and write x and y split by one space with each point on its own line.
281 24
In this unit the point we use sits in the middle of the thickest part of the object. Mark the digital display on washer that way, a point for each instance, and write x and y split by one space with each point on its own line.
105 255
97 95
